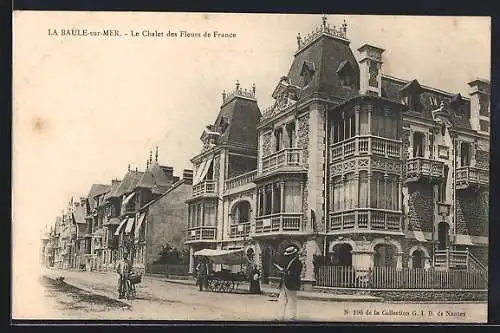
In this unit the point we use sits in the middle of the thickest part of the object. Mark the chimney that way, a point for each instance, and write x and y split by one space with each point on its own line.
187 175
480 104
370 70
82 201
114 181
169 171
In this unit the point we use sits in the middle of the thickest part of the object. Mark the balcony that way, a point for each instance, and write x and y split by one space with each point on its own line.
280 223
201 234
365 219
241 230
470 177
287 159
420 168
205 188
240 180
365 145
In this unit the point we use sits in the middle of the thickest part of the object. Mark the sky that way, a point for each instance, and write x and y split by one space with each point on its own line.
85 108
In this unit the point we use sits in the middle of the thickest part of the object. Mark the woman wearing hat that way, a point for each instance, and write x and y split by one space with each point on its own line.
290 283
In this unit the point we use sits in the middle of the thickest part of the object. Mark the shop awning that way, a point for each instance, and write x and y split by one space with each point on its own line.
202 171
139 223
117 232
225 257
130 225
127 199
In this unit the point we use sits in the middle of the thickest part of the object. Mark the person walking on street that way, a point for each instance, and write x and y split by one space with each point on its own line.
202 272
290 283
123 269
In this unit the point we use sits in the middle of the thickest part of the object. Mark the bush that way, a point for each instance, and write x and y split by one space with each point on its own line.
172 256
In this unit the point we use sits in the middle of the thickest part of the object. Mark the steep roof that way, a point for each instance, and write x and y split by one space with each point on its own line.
129 181
237 121
97 189
155 175
79 213
328 54
459 113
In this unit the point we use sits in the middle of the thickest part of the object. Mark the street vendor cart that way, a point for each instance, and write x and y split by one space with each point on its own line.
224 280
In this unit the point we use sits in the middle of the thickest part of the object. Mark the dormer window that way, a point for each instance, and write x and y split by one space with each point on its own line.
307 72
345 73
465 154
223 125
411 96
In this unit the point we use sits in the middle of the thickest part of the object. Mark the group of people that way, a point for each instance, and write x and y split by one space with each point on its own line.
290 271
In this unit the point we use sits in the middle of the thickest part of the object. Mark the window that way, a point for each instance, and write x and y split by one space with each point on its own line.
483 106
241 212
363 189
209 214
290 128
276 198
373 71
278 134
484 125
442 186
268 199
293 197
363 123
384 191
465 154
418 144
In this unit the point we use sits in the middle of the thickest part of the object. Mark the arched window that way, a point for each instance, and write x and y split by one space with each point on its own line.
241 213
418 259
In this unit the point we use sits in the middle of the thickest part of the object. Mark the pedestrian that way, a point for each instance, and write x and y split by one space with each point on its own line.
290 283
202 273
255 280
123 268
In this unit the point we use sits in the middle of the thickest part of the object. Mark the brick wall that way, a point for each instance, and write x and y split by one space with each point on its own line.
420 207
267 147
482 159
405 137
472 212
167 219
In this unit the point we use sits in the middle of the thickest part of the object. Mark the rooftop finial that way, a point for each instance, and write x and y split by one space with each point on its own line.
253 89
136 169
237 85
223 95
324 19
344 26
156 154
129 167
299 40
150 157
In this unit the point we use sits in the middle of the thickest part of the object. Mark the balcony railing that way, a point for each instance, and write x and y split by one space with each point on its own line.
470 176
280 222
420 167
201 233
365 145
204 188
285 158
240 180
365 219
240 230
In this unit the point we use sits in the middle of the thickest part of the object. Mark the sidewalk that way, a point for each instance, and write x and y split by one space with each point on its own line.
104 283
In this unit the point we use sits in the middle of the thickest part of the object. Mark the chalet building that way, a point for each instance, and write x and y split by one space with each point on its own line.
223 194
364 168
79 211
161 221
45 248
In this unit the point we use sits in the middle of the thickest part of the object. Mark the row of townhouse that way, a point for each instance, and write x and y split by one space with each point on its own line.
138 215
360 167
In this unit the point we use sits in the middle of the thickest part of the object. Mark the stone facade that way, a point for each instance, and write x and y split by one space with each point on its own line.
303 136
267 145
472 209
421 207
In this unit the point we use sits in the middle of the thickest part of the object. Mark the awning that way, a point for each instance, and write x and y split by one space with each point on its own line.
225 257
117 232
202 171
139 223
130 224
127 199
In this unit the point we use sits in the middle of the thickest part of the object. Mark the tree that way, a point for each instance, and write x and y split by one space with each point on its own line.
172 256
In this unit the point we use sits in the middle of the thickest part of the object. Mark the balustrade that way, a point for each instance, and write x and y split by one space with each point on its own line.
365 145
420 167
280 222
470 176
365 219
240 180
240 230
287 157
201 233
204 188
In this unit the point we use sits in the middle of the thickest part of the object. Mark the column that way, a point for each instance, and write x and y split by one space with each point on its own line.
309 249
202 215
282 197
369 110
302 203
369 197
356 119
473 154
355 199
284 137
399 260
264 201
272 198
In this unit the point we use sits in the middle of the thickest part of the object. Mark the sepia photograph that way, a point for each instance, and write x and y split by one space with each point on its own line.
250 167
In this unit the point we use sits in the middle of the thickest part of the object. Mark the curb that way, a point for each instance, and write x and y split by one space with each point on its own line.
94 292
275 294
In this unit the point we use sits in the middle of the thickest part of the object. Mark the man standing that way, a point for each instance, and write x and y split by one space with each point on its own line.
202 271
123 269
290 283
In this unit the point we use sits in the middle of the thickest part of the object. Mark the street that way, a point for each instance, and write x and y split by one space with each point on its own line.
158 299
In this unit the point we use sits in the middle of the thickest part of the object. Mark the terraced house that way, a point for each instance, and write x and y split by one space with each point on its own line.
364 169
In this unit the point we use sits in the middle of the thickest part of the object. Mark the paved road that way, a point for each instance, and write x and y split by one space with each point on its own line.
157 299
